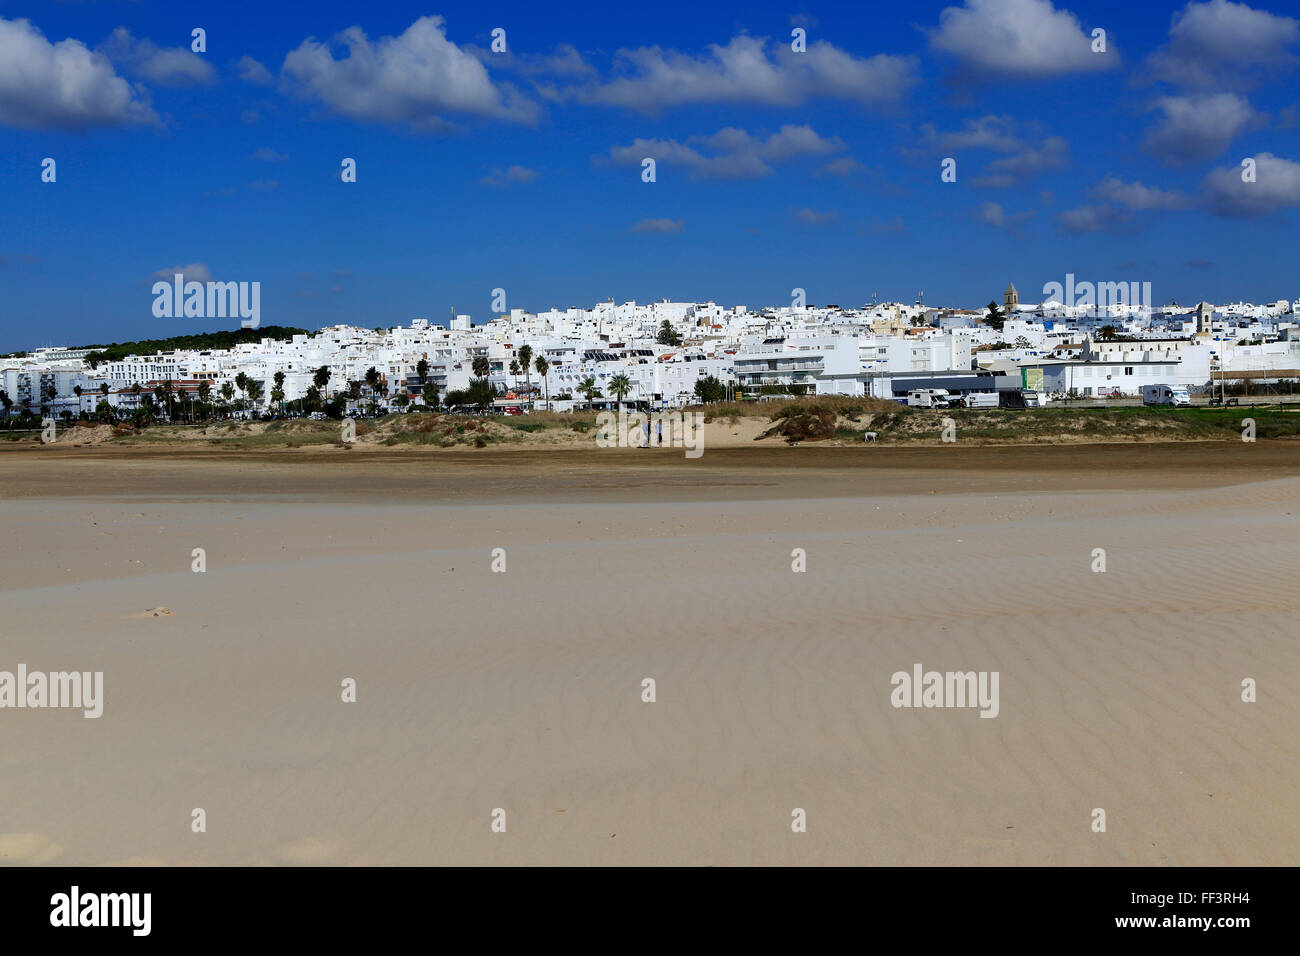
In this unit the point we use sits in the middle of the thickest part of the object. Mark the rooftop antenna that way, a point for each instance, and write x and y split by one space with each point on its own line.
920 297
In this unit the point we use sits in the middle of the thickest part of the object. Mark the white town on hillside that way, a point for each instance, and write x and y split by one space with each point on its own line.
882 350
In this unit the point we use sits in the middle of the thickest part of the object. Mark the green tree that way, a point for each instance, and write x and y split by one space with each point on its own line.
430 393
321 379
995 318
422 370
526 360
619 386
543 367
668 335
587 388
709 389
481 366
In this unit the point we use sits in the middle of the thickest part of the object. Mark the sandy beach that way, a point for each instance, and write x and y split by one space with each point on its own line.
478 690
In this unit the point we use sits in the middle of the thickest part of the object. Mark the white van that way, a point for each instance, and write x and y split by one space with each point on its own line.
929 398
982 400
1035 399
1175 395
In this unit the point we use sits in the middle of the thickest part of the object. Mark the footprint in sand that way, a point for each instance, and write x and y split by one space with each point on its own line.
309 851
27 848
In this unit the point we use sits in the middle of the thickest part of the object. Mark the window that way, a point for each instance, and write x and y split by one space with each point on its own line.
1128 369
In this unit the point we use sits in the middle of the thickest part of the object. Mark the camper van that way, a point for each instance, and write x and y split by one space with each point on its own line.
982 400
1165 395
929 398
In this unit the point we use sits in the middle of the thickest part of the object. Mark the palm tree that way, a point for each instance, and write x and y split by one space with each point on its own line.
587 388
277 392
321 378
526 360
481 366
1106 333
619 386
543 367
227 393
422 370
514 372
242 381
103 388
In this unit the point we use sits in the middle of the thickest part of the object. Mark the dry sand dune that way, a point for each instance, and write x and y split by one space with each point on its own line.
522 690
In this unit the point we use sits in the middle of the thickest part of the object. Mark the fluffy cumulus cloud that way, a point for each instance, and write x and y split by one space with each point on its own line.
174 66
564 61
252 71
62 85
1018 38
730 153
997 133
1025 155
1033 159
1194 128
1139 196
1093 218
992 214
1275 186
746 70
418 79
1219 43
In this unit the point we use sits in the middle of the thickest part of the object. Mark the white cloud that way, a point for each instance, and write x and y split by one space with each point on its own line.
61 85
509 176
1139 196
1018 38
816 217
991 214
1051 153
1086 219
747 70
1196 127
844 166
1276 187
730 153
267 155
1221 44
659 225
566 61
174 66
986 132
194 272
251 71
414 79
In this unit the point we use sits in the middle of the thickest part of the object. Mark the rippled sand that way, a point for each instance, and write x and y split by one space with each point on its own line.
523 690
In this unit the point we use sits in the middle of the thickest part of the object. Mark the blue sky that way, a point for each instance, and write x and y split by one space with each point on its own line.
522 170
